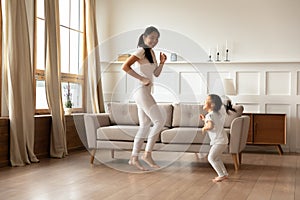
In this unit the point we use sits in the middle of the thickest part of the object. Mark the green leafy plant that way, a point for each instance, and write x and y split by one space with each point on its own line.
68 104
68 94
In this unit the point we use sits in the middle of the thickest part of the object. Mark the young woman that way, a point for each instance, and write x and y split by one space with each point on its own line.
213 125
147 108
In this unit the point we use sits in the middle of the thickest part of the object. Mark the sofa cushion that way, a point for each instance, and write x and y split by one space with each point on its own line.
184 135
119 133
167 110
187 115
127 113
232 115
123 113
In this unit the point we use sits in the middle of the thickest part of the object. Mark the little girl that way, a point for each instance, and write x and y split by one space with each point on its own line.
213 125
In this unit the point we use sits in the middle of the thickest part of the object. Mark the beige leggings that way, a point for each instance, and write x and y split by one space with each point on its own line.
148 111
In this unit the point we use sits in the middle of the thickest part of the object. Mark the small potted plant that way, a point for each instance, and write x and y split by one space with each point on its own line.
68 103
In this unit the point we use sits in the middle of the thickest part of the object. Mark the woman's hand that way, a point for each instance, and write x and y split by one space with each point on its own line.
163 58
145 81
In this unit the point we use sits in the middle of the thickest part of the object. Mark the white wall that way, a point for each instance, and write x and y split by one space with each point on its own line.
257 30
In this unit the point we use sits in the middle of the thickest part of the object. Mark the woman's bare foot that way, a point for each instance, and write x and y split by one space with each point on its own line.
147 157
135 162
219 179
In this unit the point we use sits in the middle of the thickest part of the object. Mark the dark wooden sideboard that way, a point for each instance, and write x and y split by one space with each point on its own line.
267 129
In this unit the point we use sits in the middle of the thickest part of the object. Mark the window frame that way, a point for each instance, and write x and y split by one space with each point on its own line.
39 74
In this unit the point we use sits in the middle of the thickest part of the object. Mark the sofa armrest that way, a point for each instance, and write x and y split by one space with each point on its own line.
238 134
92 122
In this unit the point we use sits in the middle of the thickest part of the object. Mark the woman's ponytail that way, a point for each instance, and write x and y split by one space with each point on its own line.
141 42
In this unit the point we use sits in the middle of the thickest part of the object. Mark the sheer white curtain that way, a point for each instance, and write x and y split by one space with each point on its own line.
58 144
94 83
18 78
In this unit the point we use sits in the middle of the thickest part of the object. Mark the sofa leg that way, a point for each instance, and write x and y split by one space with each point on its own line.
240 158
235 161
112 153
93 152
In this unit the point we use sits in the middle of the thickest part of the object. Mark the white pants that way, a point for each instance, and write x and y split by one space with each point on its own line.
148 111
214 158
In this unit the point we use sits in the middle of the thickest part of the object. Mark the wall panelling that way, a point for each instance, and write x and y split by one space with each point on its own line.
262 87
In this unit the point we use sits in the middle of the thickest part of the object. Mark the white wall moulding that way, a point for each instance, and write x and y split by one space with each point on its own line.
250 107
217 63
278 83
260 62
192 83
297 128
163 83
298 83
248 83
278 108
215 82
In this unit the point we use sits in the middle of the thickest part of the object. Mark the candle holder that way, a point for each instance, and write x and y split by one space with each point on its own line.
209 58
226 55
218 57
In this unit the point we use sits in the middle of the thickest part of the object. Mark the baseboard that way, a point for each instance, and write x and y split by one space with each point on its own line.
261 149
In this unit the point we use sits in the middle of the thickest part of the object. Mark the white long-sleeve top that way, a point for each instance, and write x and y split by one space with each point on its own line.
217 135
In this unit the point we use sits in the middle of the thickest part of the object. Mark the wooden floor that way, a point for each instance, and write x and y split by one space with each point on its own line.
262 176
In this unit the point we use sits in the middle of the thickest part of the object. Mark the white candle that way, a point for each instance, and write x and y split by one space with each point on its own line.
209 52
217 48
226 45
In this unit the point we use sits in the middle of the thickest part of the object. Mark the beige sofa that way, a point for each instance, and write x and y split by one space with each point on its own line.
116 129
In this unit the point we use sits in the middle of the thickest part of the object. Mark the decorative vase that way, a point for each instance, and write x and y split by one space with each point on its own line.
173 57
68 111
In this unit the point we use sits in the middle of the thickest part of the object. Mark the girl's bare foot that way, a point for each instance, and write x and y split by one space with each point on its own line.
148 159
135 162
219 179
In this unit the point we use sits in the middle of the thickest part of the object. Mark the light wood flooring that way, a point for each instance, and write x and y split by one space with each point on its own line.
261 177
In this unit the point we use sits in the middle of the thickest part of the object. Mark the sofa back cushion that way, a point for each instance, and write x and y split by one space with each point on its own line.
187 115
127 113
232 115
123 113
167 111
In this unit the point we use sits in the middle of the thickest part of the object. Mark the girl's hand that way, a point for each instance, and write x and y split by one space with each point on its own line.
163 58
203 131
202 117
145 81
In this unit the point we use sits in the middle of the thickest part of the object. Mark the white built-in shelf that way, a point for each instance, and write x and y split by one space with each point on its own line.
214 62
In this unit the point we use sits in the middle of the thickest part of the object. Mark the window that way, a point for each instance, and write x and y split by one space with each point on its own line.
71 44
